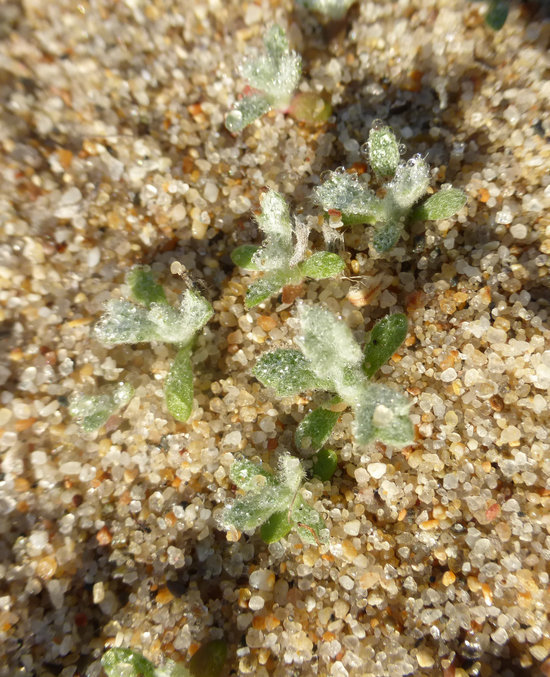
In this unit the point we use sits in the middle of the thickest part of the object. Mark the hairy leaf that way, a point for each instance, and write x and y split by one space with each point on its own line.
145 289
126 663
441 205
315 428
287 372
309 523
383 151
242 256
274 221
250 512
248 476
344 192
410 182
332 9
387 235
245 111
124 322
383 414
92 411
268 285
322 265
385 338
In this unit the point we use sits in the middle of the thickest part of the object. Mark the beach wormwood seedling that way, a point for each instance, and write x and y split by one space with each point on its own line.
406 183
273 76
330 359
282 256
151 318
272 502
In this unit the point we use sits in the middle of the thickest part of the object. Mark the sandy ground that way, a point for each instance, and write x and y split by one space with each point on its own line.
114 153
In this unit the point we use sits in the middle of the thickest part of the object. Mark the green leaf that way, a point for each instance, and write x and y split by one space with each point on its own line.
124 322
276 527
385 338
209 660
126 663
497 14
343 192
274 221
322 265
383 151
252 510
383 414
410 183
441 205
178 388
325 464
92 411
287 372
315 428
277 72
304 514
144 287
245 111
242 256
268 285
248 476
387 236
311 108
332 9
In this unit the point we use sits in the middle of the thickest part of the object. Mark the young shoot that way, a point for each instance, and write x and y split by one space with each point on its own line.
330 359
282 257
331 9
272 502
405 185
208 661
149 317
273 76
92 411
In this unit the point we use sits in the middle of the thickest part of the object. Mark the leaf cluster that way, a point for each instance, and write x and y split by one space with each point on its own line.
273 77
405 185
330 359
272 502
282 257
149 317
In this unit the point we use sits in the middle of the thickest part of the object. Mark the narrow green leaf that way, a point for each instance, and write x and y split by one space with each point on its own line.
441 205
387 235
286 371
315 428
145 289
276 527
127 663
178 388
309 523
248 476
242 256
245 111
385 338
322 265
268 285
383 151
325 464
497 14
209 660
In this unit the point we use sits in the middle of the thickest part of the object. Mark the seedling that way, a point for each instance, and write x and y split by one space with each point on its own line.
404 183
151 318
92 411
331 9
208 661
273 77
330 359
273 502
282 257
